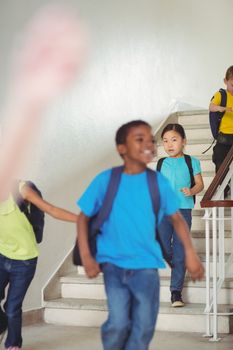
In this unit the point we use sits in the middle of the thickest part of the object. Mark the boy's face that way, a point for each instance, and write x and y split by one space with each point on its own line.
229 85
139 147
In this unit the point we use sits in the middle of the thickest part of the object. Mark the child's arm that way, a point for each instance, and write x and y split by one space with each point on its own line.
215 108
90 265
193 263
57 213
198 187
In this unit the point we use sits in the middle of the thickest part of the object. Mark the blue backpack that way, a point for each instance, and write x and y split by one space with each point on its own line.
216 117
97 220
34 215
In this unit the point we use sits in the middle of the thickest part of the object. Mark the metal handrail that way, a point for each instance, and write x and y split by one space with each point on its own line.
214 204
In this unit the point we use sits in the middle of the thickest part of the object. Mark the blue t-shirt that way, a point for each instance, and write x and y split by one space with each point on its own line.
127 237
177 172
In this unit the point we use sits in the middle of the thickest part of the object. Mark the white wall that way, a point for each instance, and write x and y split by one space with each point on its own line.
147 58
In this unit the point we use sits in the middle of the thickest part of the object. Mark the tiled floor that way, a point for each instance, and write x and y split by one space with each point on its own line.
49 337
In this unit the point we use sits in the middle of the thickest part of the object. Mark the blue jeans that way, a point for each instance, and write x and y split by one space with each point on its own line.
133 304
175 249
17 275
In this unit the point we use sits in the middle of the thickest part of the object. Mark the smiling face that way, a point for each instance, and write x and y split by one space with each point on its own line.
139 148
173 144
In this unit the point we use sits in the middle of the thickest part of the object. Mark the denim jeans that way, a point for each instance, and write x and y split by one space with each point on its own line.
175 249
220 152
133 304
17 275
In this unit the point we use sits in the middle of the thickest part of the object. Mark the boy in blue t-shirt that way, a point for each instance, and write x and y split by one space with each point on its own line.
127 252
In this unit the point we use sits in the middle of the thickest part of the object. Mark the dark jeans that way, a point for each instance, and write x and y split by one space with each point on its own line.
133 304
17 275
220 151
175 249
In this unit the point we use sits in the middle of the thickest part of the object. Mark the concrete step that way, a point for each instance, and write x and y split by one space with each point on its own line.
198 223
198 131
207 165
167 271
198 238
78 286
92 313
198 118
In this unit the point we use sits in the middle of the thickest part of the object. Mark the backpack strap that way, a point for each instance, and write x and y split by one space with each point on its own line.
188 161
160 163
216 117
155 198
109 197
223 102
154 190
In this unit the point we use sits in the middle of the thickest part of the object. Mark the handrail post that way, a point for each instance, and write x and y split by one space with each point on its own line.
214 263
231 215
207 247
221 230
214 198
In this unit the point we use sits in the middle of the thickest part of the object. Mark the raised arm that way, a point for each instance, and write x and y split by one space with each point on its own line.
57 213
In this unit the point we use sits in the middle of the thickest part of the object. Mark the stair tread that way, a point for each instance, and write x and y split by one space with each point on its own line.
101 305
75 278
198 212
197 127
201 233
193 112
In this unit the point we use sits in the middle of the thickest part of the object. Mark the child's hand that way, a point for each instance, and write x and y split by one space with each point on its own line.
194 265
224 109
186 191
91 267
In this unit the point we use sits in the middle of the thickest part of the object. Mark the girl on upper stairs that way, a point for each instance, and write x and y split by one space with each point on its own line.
184 174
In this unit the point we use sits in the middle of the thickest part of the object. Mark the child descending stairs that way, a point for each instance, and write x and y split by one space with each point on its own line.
72 299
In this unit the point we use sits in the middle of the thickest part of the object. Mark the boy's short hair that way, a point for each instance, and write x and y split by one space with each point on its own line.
229 73
123 131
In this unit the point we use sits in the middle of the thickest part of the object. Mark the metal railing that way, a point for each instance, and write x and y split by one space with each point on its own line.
215 219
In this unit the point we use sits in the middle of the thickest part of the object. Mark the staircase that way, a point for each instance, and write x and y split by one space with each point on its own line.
72 299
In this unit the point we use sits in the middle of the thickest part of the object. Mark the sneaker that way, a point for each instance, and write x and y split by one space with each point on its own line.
176 299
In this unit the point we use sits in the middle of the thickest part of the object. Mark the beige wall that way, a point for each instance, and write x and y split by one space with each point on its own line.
147 58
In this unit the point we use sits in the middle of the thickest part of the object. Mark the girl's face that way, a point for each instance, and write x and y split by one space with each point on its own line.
173 144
